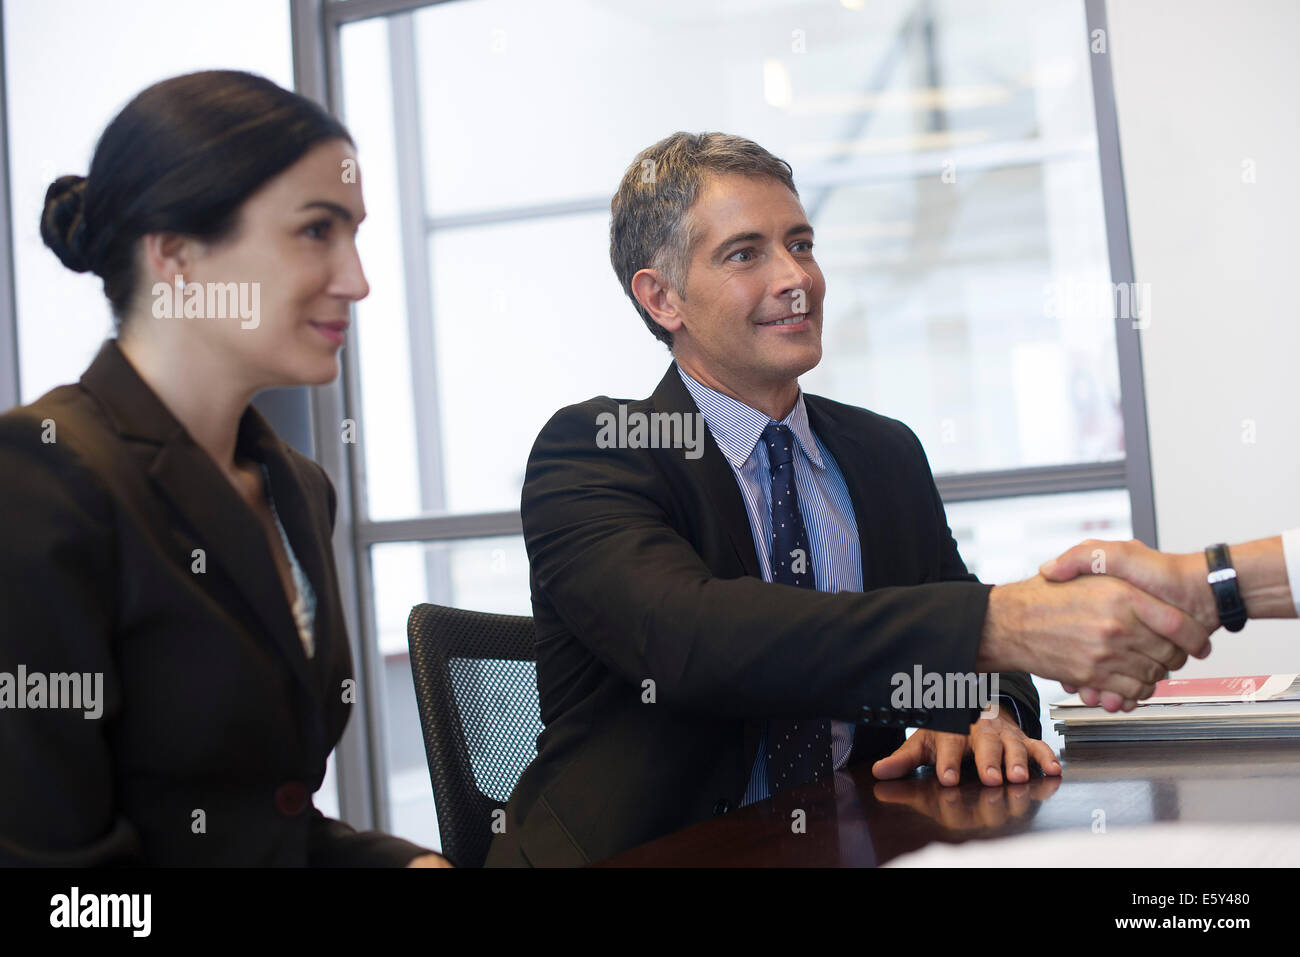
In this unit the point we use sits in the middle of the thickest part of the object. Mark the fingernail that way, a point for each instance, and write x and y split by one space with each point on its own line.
1048 566
1018 769
950 775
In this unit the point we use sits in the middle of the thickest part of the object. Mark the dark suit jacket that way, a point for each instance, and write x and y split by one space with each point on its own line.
211 704
643 569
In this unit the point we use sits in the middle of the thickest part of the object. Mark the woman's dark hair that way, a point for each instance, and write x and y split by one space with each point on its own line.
181 157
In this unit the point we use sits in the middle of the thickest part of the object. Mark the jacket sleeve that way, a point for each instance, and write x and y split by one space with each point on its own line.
333 843
608 557
1015 685
58 586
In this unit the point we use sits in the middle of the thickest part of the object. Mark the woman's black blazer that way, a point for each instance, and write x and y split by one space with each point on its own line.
127 554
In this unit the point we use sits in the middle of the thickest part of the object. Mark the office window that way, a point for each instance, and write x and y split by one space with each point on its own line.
946 152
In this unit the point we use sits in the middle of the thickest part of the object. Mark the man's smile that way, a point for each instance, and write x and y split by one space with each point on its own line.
791 323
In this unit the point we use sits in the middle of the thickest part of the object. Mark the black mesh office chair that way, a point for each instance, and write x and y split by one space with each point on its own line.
476 685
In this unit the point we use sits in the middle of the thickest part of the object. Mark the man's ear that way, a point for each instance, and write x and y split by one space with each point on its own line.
658 298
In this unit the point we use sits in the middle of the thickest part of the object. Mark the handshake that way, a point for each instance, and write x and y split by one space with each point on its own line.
1110 619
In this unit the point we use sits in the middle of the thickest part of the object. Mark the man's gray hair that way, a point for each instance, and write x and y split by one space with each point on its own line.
650 225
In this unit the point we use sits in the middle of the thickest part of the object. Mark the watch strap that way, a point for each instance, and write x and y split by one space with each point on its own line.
1227 592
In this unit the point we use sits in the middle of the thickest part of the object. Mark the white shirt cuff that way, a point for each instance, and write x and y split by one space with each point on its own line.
1291 555
1015 708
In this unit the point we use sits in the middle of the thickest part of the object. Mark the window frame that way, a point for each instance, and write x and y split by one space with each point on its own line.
361 759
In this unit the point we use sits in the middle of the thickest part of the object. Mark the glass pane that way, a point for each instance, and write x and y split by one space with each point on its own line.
381 341
945 153
489 387
326 798
1005 540
941 314
486 574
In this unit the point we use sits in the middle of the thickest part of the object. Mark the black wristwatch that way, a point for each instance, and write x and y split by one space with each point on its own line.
1227 594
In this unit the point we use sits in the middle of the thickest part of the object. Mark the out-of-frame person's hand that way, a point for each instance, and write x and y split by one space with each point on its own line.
1176 579
995 741
1094 632
1179 580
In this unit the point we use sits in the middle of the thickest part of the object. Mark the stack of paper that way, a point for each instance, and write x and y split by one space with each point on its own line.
1192 709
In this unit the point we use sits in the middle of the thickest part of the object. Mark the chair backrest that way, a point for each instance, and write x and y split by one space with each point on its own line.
476 684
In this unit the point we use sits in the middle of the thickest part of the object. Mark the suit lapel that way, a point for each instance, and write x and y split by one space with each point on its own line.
185 476
303 518
865 482
712 471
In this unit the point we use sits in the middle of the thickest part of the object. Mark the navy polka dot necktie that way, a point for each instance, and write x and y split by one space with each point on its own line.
798 751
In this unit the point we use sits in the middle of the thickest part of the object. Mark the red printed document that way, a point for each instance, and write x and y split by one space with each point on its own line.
1242 688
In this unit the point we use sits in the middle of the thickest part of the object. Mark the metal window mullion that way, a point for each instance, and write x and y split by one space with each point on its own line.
423 358
1128 345
968 487
317 76
337 14
442 528
10 390
1044 480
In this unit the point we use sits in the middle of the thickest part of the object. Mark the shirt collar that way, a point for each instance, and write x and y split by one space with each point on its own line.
737 427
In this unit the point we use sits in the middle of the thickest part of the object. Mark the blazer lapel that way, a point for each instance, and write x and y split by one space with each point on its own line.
186 477
304 519
865 484
713 472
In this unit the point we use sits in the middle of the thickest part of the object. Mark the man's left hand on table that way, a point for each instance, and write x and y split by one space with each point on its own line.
995 740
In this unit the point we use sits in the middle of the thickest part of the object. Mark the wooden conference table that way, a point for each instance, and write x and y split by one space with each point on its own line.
856 821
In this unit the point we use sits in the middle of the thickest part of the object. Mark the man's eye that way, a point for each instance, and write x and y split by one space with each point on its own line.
319 230
807 245
741 252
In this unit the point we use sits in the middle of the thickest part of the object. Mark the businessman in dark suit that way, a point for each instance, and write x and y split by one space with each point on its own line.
129 555
726 619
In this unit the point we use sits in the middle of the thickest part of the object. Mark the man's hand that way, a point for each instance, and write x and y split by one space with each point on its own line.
995 740
1176 579
1093 632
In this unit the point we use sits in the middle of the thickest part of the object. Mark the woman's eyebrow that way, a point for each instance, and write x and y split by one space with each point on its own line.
342 212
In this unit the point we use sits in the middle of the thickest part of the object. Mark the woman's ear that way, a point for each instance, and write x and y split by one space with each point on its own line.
165 256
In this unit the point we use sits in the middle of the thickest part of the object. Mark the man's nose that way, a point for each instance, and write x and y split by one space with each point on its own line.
793 277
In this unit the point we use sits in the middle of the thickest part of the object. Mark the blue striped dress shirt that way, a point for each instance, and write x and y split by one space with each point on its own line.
824 504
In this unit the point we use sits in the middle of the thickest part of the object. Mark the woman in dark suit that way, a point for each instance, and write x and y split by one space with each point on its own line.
174 669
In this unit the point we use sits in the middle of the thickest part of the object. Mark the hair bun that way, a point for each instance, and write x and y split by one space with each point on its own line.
63 223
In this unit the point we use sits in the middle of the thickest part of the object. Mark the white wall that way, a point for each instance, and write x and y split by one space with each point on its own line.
1201 87
71 65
